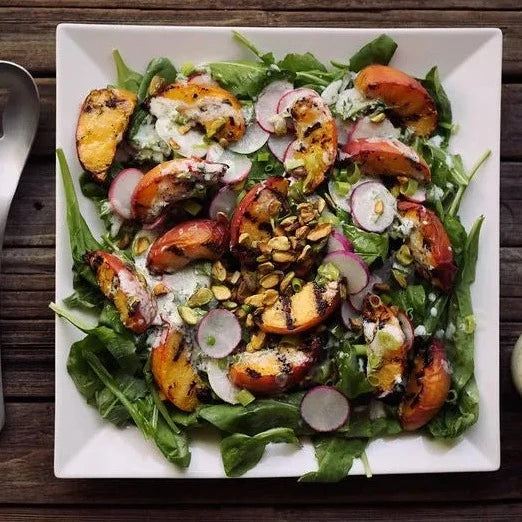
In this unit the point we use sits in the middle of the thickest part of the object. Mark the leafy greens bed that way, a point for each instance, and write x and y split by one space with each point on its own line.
334 250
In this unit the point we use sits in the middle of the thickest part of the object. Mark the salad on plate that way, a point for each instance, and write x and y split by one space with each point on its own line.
283 256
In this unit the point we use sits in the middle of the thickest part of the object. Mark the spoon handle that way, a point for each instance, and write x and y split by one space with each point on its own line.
4 211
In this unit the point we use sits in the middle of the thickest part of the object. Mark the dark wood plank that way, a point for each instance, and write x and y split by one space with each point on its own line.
511 116
467 512
38 26
274 5
26 455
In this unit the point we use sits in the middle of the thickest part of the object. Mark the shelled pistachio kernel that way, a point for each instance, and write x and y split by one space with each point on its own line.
255 300
200 297
305 253
270 280
249 322
188 315
280 243
378 118
221 292
289 222
283 257
234 277
160 289
257 341
319 232
301 232
265 268
240 313
270 296
229 305
320 204
156 84
286 281
244 238
140 245
218 271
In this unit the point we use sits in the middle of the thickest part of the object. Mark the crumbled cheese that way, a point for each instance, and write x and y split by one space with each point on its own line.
450 331
433 311
435 193
420 331
401 227
432 297
149 145
439 334
436 141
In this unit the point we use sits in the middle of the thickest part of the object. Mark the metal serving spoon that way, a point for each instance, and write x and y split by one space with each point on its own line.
18 123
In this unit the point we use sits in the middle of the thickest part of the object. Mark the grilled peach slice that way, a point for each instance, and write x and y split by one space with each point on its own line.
188 241
173 371
427 387
171 182
209 105
125 288
104 118
316 143
429 245
387 157
305 309
252 218
387 347
274 370
406 96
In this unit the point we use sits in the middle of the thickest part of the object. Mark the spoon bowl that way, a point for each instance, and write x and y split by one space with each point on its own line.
18 124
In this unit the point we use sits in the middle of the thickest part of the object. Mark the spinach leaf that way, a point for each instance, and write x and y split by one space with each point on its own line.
352 381
431 322
85 295
257 416
363 425
157 67
368 245
240 452
296 63
267 58
457 236
433 85
335 457
458 415
412 300
80 236
245 79
379 51
127 78
90 189
174 445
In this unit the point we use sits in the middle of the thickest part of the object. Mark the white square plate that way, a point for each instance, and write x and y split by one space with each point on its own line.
469 61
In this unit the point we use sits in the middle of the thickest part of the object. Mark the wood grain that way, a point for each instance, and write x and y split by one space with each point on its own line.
38 26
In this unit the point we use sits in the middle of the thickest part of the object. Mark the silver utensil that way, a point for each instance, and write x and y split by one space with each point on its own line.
18 123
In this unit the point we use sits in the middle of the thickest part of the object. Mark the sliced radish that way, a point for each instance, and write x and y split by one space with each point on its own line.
238 165
190 144
289 98
290 151
220 383
267 102
419 196
348 312
253 139
343 202
338 241
365 128
373 206
219 332
201 79
352 268
121 190
279 144
356 300
344 129
407 328
158 222
331 92
224 202
324 408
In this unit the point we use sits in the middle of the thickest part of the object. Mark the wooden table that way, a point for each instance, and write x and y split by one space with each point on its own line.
28 488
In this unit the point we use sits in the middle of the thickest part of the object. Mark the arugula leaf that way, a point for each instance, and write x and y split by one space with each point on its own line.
157 67
245 79
368 245
80 236
240 452
127 78
379 51
257 416
296 63
267 58
335 457
352 381
412 300
433 85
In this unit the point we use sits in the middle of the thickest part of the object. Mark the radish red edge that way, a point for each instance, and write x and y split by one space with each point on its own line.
348 312
121 190
352 268
325 409
224 201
